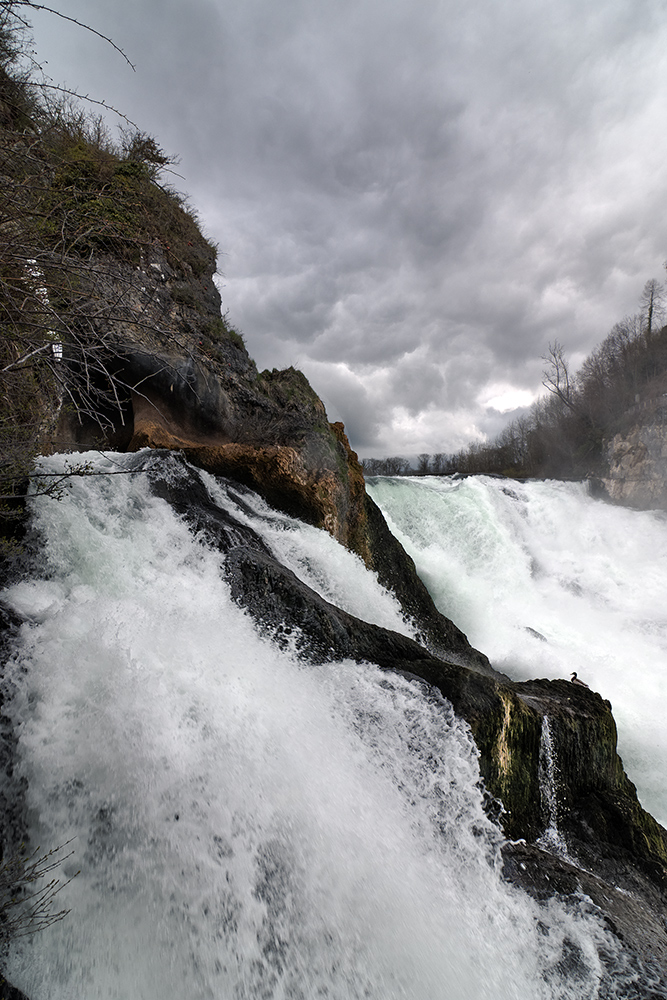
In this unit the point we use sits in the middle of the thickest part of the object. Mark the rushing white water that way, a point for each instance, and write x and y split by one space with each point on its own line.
331 570
549 778
502 559
248 826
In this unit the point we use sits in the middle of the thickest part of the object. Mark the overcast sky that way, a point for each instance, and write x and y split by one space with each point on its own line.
412 198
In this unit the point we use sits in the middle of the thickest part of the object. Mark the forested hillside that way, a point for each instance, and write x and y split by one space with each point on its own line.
562 436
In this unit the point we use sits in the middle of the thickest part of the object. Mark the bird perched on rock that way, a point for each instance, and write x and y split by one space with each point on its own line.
575 680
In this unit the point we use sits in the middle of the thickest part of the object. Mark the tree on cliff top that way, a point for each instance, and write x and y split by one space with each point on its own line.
563 433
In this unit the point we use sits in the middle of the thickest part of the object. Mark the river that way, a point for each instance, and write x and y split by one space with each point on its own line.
246 825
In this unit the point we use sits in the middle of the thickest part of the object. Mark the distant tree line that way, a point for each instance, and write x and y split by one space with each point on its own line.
433 465
563 432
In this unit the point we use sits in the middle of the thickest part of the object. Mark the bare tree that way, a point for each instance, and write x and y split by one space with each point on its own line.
556 376
371 466
82 222
651 304
394 466
439 463
27 898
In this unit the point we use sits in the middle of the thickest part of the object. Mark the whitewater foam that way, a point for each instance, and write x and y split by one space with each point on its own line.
507 560
248 826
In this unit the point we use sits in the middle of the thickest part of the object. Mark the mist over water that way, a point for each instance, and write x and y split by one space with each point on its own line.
503 558
249 826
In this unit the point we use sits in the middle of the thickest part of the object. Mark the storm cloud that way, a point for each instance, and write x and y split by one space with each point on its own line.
411 199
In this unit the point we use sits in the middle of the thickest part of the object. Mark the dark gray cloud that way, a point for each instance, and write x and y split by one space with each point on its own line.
411 201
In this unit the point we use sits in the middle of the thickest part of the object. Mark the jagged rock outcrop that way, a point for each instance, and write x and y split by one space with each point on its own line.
9 992
137 317
275 595
616 852
183 380
191 387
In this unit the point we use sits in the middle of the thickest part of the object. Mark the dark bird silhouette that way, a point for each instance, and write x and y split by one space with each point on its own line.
575 680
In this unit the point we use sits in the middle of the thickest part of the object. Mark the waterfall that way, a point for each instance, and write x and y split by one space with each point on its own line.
247 825
545 580
552 838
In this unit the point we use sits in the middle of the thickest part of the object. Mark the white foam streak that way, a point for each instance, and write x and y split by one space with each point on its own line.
318 560
501 558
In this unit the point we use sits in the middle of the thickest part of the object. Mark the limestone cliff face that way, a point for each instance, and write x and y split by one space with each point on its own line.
637 459
183 381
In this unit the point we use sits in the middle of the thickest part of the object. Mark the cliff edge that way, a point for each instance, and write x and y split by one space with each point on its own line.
635 457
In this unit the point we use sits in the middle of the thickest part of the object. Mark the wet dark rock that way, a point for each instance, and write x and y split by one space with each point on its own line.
396 571
617 853
274 594
9 992
186 384
632 913
12 788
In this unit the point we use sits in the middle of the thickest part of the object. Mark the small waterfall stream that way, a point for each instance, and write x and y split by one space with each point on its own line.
552 838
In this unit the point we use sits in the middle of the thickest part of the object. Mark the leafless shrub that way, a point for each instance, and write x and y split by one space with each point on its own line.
28 891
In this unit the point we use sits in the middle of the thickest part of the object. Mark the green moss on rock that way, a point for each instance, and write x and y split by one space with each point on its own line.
510 739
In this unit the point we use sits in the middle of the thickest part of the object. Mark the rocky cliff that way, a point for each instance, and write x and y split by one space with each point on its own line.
191 388
182 379
636 457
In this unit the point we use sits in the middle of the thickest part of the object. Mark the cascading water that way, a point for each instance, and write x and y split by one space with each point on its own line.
552 838
545 580
249 826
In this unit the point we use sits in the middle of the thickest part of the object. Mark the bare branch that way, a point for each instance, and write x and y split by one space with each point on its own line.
24 910
22 360
43 85
651 303
10 5
75 275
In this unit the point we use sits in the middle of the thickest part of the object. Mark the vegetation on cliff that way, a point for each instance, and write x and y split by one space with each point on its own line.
111 320
75 206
